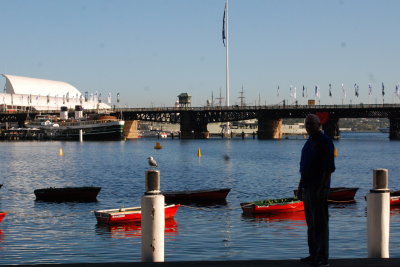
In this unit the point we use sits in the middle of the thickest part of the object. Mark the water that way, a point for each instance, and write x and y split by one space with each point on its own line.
37 232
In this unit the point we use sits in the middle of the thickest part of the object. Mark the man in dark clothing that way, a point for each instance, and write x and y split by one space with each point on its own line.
316 165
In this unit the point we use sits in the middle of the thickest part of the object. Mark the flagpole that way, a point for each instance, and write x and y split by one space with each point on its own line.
227 130
227 53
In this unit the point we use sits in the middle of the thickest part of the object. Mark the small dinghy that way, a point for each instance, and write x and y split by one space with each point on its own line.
129 215
197 196
84 194
271 206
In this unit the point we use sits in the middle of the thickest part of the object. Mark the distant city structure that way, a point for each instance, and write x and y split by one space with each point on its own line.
25 93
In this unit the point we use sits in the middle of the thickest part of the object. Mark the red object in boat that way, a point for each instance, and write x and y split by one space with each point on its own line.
2 215
281 205
129 215
197 196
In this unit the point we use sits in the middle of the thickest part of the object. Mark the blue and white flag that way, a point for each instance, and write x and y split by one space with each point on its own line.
223 26
317 92
370 89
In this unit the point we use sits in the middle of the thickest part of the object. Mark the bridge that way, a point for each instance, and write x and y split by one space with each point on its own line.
193 120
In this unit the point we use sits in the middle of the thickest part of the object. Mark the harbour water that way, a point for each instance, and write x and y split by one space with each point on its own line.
36 232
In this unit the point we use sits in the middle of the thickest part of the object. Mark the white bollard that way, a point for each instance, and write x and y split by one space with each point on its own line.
80 135
153 219
378 215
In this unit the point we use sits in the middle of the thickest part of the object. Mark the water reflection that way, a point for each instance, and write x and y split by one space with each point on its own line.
133 230
274 217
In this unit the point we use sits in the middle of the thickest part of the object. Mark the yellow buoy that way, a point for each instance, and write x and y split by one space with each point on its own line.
198 152
158 146
61 152
335 152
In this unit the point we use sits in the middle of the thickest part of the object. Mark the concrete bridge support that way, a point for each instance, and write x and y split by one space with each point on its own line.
269 128
331 128
131 130
193 127
394 129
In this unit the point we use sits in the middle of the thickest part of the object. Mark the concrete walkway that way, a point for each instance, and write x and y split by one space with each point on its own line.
247 263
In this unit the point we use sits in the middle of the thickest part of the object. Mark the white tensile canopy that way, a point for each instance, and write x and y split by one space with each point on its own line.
34 86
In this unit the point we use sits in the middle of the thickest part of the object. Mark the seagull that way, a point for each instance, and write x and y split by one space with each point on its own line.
152 162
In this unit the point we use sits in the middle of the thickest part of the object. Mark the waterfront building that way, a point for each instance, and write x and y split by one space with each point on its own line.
25 93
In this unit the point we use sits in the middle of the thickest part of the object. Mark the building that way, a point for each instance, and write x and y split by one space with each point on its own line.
24 93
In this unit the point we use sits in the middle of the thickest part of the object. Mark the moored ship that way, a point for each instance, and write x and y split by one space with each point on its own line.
94 127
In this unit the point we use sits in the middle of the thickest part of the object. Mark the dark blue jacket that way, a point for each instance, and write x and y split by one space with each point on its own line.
316 158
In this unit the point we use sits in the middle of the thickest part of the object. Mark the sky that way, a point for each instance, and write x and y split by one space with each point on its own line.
150 51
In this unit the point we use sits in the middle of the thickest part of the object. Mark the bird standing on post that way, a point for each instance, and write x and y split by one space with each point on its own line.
152 162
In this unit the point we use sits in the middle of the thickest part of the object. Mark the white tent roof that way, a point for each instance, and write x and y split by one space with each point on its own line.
34 86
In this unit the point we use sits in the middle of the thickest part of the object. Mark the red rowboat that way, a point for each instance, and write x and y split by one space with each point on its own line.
340 194
2 215
197 196
85 194
272 206
394 198
129 215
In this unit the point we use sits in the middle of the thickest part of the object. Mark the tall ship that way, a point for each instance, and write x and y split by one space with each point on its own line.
92 127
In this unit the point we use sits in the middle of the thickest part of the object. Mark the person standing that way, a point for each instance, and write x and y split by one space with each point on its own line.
316 165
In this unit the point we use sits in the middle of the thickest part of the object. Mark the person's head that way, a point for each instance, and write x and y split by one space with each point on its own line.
312 124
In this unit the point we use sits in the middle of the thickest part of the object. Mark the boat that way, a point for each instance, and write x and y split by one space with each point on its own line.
94 127
2 215
272 206
384 130
340 194
197 196
395 198
83 194
163 135
129 215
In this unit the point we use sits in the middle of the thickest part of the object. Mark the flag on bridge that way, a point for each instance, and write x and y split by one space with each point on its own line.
370 89
397 90
317 92
383 89
330 90
303 90
277 91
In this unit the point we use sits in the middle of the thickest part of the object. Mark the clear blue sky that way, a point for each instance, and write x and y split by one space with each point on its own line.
152 50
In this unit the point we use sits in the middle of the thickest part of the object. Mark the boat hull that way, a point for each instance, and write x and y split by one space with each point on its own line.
129 215
2 215
198 196
101 133
395 201
84 194
281 205
106 128
340 194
